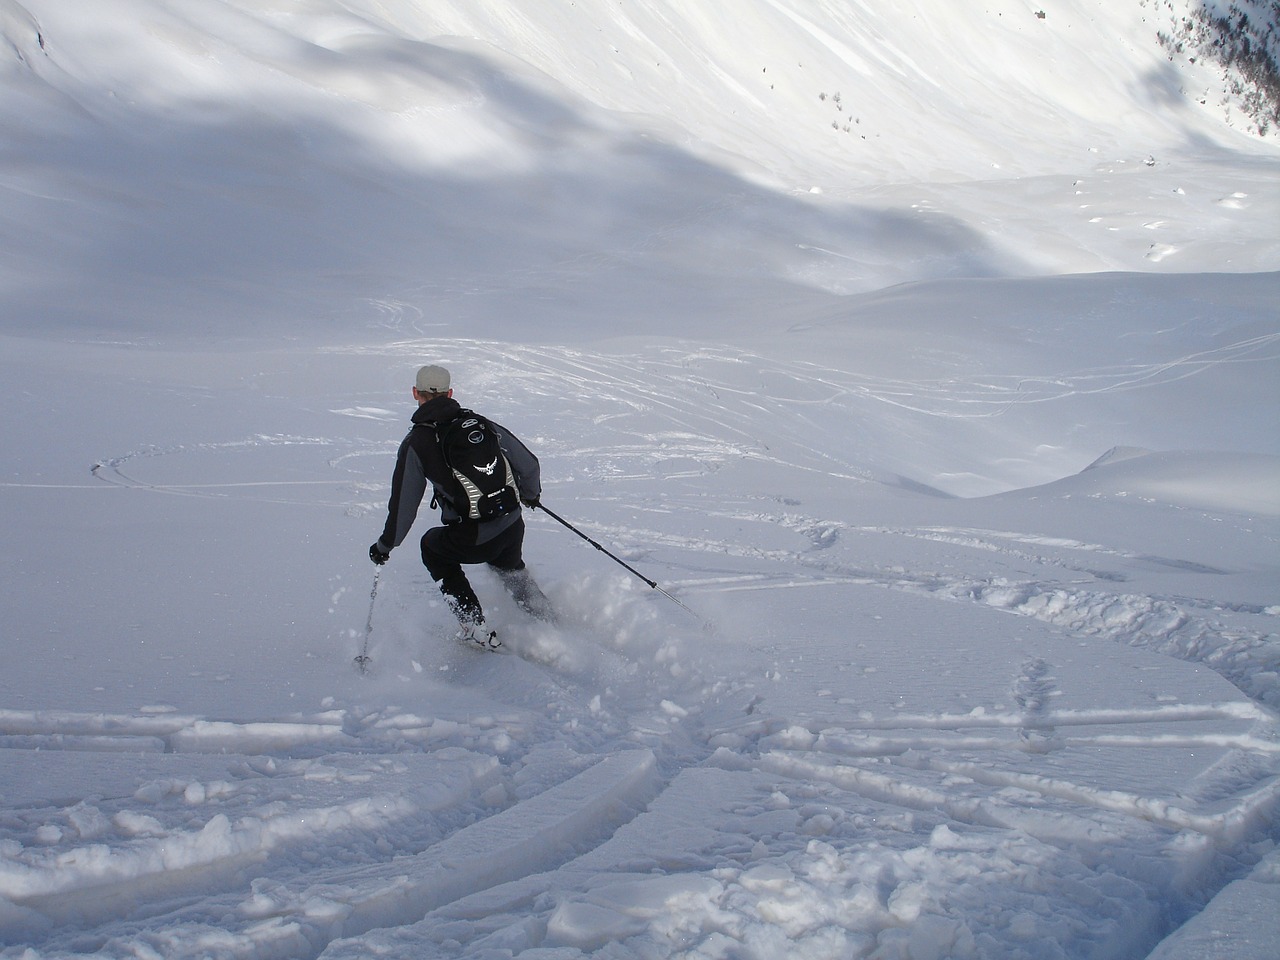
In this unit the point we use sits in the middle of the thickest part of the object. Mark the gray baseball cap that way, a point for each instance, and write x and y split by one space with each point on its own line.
433 379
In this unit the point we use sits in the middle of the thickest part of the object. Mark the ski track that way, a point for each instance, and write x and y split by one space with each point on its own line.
415 824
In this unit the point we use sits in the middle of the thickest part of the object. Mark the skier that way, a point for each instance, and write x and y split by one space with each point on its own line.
461 539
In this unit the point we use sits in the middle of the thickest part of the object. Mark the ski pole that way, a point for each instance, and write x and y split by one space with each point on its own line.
362 661
630 569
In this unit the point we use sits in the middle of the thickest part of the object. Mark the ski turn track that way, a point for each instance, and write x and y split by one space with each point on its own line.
545 830
303 917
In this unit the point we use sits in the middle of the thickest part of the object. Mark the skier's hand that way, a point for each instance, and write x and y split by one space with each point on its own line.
532 503
379 555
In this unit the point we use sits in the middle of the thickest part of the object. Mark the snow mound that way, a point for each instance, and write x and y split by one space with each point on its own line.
1218 482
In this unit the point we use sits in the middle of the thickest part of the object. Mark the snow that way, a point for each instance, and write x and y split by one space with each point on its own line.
926 353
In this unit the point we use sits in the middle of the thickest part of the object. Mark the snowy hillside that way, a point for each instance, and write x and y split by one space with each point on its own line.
928 354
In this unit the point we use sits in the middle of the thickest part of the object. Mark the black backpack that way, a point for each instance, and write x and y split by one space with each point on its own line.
484 485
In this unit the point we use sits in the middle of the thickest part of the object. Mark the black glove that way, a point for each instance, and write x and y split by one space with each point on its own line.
531 502
378 555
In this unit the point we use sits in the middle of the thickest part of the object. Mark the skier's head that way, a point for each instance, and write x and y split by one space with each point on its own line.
432 381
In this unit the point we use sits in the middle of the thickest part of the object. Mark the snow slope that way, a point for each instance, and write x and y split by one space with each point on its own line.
948 407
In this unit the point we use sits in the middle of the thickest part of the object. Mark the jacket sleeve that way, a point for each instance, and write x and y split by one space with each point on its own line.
523 462
408 485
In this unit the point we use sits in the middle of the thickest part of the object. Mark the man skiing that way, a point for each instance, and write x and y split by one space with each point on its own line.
470 533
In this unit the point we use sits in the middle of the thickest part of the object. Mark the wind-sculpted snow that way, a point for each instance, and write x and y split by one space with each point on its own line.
926 354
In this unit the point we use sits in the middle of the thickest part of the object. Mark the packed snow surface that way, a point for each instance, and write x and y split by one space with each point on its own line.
926 354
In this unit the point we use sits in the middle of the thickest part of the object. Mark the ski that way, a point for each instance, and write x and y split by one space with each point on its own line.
483 639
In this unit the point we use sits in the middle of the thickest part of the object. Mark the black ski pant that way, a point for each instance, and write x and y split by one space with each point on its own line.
446 549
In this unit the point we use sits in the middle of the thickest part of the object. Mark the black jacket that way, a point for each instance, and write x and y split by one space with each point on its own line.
419 463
